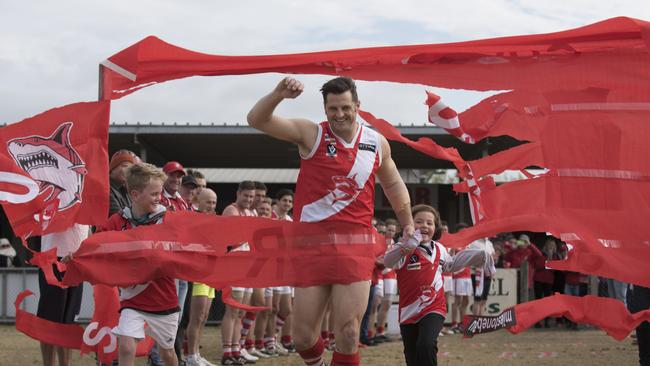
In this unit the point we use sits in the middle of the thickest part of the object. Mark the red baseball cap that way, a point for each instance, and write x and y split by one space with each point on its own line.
173 166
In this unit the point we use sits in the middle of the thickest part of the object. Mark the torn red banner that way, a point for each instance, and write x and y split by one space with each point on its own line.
598 211
593 214
96 337
64 335
65 151
608 314
589 56
564 127
594 193
226 297
185 246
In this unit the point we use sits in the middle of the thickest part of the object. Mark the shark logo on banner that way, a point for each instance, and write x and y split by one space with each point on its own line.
61 156
53 163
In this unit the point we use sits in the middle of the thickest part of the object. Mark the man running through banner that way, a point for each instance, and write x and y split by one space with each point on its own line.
340 159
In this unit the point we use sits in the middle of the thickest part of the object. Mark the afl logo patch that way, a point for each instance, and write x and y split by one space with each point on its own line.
331 150
414 258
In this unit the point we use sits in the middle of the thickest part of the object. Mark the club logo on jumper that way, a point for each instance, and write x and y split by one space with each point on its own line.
484 324
414 258
345 188
367 147
330 148
53 163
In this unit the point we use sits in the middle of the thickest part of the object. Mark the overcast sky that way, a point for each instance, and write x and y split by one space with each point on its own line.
49 50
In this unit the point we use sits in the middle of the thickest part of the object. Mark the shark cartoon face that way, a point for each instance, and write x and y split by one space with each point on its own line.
53 163
345 188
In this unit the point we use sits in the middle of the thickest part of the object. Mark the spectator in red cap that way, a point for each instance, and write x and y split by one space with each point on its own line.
171 198
119 197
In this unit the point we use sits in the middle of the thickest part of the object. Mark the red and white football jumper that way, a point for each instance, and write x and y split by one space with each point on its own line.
158 296
419 280
244 212
337 179
173 202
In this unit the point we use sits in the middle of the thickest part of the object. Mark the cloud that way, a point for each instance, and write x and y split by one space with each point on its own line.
49 51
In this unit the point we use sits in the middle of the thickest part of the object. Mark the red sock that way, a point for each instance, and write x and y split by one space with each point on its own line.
380 330
286 340
248 344
269 343
246 324
340 359
324 334
227 350
259 343
235 351
369 333
314 355
331 335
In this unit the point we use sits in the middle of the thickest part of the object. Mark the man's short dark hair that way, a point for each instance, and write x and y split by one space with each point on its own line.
247 185
339 86
260 186
283 192
195 173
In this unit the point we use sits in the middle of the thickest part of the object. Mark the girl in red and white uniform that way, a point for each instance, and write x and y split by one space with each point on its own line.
419 264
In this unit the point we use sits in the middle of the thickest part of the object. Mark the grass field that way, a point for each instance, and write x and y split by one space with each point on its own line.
534 347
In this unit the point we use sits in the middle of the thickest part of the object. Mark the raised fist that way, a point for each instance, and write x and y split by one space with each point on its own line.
289 88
